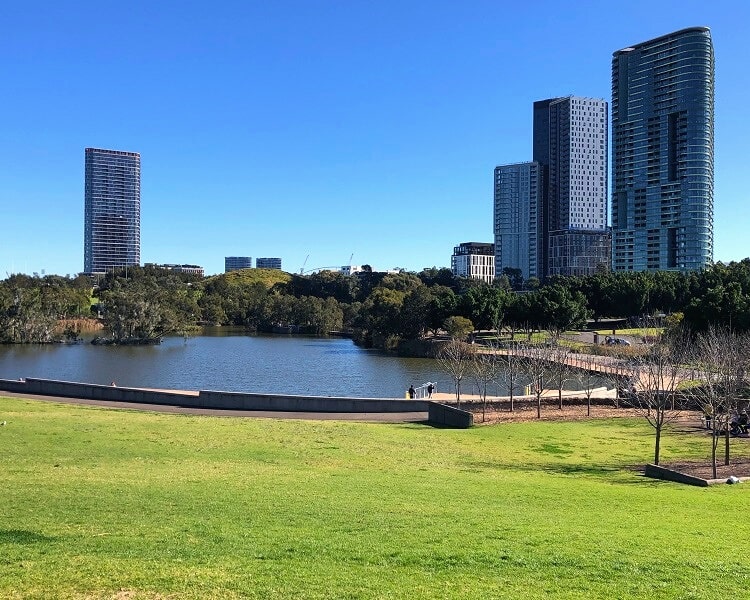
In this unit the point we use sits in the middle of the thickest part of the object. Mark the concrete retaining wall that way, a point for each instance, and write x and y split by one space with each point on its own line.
449 416
13 385
286 403
91 391
658 472
438 414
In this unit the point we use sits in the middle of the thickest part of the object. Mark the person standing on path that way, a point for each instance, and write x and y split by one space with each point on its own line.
430 389
412 392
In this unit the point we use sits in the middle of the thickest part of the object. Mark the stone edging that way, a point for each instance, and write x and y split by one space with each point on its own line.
658 472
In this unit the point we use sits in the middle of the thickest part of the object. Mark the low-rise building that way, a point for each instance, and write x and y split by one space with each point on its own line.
190 269
235 263
268 263
475 260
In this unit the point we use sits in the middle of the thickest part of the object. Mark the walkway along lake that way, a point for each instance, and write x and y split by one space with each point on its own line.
229 360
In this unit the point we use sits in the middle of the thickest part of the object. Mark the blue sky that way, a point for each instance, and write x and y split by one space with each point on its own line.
314 130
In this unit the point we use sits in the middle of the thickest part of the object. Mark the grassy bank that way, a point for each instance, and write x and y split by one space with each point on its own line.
104 504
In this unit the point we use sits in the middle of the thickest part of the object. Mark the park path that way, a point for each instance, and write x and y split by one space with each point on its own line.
402 417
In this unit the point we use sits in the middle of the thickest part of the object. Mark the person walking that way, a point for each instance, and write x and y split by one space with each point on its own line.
412 392
430 389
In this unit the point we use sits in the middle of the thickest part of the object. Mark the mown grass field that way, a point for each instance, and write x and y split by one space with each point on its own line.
98 503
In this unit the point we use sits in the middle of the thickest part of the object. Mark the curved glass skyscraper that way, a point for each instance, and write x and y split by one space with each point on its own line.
663 153
112 225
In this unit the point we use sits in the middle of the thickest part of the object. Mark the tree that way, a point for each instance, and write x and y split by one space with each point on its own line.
454 357
131 315
587 376
657 376
513 371
485 306
382 311
483 370
515 277
719 372
559 309
443 303
458 327
559 368
536 367
415 312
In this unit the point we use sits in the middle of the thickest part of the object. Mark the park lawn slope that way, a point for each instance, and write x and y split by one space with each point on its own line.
98 502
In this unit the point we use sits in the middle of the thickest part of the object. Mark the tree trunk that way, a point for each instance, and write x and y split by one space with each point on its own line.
713 447
726 444
657 445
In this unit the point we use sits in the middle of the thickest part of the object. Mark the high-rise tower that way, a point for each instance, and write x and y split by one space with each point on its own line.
570 145
112 225
518 222
663 149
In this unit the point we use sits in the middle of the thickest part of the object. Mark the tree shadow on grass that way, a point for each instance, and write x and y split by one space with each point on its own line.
21 536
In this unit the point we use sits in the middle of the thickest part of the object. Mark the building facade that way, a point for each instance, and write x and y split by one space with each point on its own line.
349 270
475 260
663 152
112 219
518 221
189 269
268 263
235 263
570 145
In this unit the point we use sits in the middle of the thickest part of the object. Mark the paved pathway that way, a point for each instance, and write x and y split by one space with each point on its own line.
403 417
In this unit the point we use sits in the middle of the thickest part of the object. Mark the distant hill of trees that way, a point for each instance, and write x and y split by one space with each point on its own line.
381 309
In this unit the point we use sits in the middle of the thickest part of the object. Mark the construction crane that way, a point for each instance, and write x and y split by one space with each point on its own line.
302 270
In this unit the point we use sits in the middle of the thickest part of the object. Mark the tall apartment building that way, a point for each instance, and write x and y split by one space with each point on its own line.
112 220
268 263
518 221
235 263
570 146
663 148
475 260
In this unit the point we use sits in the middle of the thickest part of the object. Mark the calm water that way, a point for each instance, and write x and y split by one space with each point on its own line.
226 360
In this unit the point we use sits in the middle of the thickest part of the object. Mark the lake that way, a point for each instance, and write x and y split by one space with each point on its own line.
230 360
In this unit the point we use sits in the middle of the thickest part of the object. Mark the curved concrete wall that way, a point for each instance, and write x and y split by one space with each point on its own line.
437 413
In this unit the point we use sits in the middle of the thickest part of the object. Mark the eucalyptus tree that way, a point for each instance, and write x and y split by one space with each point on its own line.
381 312
443 303
415 312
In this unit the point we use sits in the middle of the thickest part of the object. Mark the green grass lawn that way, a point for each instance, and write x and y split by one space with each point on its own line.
98 503
634 331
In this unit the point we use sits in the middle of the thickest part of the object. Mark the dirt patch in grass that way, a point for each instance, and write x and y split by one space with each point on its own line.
739 467
525 411
685 422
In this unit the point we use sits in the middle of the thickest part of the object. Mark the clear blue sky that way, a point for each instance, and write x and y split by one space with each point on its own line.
321 128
